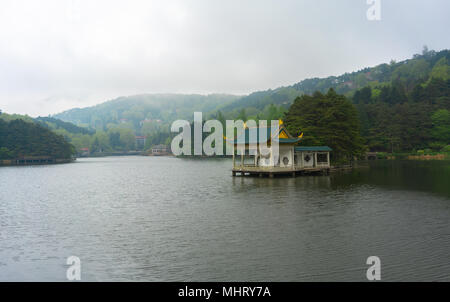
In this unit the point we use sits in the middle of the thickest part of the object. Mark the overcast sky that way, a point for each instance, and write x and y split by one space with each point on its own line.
56 55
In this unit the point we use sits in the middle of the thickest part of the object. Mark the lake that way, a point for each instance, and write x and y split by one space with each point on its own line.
169 219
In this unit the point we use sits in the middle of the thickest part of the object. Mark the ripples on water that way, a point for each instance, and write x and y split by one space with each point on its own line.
168 219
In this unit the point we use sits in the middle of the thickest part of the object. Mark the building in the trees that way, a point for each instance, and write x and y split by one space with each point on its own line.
160 150
84 152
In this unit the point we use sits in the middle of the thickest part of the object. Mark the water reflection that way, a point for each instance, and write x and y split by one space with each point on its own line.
167 219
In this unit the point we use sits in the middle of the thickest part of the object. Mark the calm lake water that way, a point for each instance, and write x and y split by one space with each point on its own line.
169 219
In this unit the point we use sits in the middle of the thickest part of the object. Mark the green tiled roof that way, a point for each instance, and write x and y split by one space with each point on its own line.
317 148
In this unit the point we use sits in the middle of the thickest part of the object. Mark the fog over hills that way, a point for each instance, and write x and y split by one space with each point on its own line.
161 109
58 55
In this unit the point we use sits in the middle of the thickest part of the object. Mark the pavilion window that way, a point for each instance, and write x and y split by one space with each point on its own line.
322 158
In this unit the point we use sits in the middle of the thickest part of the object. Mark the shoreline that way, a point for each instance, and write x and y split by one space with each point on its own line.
30 161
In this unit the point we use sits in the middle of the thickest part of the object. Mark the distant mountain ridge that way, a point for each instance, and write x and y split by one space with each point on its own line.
149 112
167 107
55 124
401 106
146 108
419 68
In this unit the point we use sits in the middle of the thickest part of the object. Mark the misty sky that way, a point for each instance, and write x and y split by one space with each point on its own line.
56 55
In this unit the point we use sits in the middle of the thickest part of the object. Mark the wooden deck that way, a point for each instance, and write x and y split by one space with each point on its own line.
272 171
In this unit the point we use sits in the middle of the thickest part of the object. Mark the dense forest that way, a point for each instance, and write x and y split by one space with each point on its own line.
422 67
404 117
327 120
56 124
402 107
19 138
399 107
115 139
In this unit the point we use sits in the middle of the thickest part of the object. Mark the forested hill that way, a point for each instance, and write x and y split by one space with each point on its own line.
401 106
56 124
420 69
20 138
44 127
397 103
146 113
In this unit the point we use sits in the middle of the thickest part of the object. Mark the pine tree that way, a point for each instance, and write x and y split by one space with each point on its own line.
328 119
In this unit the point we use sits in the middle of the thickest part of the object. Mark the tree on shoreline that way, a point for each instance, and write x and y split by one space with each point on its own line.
327 119
19 138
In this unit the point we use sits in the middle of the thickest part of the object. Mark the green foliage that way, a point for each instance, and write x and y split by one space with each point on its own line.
10 117
441 126
397 121
242 115
399 77
395 103
382 155
441 70
121 139
19 138
5 153
155 111
329 120
55 124
100 142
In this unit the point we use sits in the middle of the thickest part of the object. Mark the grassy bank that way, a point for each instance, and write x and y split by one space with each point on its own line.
415 155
